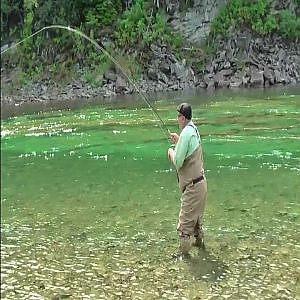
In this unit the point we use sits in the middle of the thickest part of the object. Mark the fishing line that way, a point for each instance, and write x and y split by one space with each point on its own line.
161 123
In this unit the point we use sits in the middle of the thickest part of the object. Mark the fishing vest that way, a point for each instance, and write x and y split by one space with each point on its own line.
192 167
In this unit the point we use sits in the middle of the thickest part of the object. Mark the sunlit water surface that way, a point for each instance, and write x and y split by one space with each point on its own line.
89 203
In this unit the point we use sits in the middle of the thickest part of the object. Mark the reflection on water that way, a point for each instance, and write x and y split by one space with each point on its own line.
89 203
193 96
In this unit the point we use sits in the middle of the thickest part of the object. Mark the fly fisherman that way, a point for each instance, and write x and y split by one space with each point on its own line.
188 160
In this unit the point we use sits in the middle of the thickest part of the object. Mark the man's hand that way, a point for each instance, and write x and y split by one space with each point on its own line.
174 137
171 154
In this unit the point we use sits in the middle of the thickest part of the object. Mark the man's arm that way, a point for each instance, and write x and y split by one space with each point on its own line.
178 155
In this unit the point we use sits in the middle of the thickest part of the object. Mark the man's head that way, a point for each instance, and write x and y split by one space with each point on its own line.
184 114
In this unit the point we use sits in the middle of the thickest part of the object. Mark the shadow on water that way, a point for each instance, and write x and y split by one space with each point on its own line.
205 266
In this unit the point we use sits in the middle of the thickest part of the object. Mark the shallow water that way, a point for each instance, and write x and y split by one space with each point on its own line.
90 203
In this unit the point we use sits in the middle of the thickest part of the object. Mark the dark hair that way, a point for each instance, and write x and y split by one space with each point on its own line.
185 109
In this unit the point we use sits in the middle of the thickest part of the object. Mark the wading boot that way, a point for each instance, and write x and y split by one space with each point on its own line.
184 247
185 244
199 242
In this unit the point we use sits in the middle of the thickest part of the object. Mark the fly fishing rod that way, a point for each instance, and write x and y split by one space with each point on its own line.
162 124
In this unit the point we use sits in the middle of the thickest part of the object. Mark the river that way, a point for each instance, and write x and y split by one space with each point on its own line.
89 201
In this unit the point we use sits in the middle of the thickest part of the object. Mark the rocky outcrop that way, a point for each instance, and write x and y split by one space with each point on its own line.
168 68
194 23
242 61
249 61
163 71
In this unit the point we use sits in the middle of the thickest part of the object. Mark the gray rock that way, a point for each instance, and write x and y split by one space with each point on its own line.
44 97
165 68
224 83
162 77
246 80
227 65
179 71
211 85
236 82
269 76
202 84
110 75
226 72
207 78
152 74
120 84
173 87
256 77
4 47
194 22
218 79
279 77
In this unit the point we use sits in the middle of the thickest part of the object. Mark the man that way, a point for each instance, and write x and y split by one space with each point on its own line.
188 160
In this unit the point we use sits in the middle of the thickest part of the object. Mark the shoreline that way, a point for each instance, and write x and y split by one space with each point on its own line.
72 99
262 63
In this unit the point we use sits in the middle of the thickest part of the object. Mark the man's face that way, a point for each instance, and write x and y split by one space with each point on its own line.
181 120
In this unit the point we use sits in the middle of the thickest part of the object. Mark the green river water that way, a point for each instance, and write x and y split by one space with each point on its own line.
89 202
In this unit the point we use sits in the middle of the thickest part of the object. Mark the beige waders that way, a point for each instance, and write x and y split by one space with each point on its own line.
192 184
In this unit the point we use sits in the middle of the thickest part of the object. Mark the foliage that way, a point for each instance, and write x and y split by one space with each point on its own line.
93 77
29 6
103 14
130 65
21 78
132 25
255 14
11 18
136 25
289 25
143 24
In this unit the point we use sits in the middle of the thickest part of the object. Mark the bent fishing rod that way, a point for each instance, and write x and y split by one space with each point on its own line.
162 124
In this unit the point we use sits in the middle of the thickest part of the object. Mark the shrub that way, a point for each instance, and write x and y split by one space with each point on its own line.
289 25
256 15
144 24
103 14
